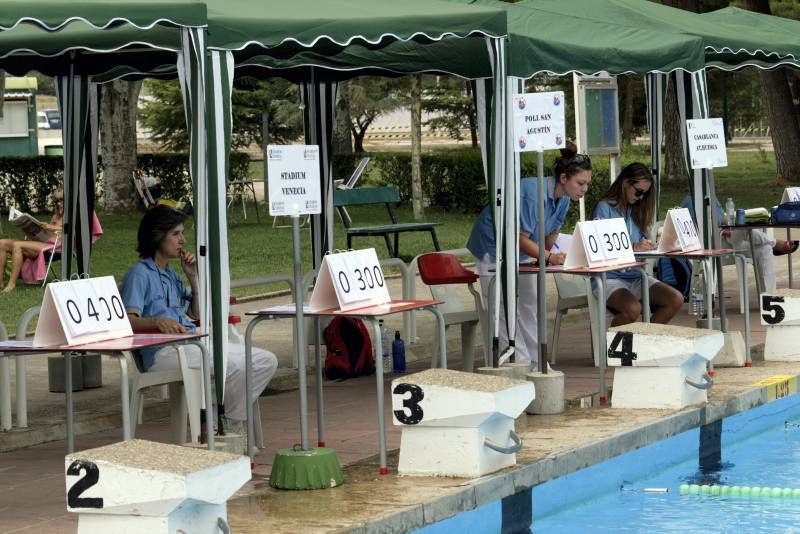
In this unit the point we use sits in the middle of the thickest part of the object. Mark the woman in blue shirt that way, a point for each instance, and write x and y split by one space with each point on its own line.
156 298
629 198
572 173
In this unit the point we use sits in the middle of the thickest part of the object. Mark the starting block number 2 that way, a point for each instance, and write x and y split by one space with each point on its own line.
89 479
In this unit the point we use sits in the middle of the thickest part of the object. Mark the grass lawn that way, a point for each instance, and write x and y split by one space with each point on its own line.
258 249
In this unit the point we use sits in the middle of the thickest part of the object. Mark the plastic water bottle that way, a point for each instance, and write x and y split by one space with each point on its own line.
398 354
697 303
385 348
730 211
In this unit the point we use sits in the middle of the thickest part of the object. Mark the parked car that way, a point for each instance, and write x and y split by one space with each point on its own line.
52 116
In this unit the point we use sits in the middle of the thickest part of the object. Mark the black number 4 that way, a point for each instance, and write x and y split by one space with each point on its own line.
776 313
411 404
74 499
626 354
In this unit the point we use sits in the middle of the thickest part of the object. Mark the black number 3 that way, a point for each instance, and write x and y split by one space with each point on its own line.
74 499
411 404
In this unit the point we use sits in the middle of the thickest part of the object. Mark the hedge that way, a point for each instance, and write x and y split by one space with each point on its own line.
26 182
454 179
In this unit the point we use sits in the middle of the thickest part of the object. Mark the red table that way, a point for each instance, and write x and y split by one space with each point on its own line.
368 314
117 349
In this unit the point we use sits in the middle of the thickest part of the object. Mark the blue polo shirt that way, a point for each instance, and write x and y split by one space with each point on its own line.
149 291
482 239
605 210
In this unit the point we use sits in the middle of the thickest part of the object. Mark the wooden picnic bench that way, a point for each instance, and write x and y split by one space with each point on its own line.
342 198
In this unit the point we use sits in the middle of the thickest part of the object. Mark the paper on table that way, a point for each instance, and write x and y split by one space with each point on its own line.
562 243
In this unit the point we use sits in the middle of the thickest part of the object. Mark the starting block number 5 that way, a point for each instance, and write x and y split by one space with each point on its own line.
410 395
771 310
89 479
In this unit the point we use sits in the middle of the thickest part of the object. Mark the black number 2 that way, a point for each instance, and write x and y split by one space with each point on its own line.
74 499
411 404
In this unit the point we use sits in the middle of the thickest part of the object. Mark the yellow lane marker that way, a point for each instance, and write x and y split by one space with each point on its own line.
779 386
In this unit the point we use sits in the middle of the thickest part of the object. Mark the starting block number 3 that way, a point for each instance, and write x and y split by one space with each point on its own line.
412 413
89 479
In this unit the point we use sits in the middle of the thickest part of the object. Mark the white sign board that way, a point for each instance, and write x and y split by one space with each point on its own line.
600 243
349 280
791 194
293 176
81 311
706 143
679 232
539 121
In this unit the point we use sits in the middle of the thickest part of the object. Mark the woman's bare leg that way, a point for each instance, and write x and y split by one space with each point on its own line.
19 252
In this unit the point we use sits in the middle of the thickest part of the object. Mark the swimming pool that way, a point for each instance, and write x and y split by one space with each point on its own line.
759 447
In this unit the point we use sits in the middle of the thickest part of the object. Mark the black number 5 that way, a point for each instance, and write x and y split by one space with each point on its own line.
411 404
776 313
74 499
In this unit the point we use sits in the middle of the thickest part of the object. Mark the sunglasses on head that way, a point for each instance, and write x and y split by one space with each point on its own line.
580 159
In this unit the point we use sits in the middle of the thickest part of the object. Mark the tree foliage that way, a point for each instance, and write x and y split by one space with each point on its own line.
449 102
367 98
163 113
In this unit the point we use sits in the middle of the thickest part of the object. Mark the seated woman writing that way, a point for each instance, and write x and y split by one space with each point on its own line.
629 198
157 299
22 250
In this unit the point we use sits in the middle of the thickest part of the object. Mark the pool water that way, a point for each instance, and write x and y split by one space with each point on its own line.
758 447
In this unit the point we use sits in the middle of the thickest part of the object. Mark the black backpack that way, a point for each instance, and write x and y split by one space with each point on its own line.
676 272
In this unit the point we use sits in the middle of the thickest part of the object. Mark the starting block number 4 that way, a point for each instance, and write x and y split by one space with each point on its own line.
410 395
91 474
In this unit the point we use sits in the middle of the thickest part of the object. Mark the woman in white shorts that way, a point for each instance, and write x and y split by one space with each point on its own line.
629 198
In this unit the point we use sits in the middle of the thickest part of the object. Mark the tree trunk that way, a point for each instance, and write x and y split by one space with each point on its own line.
416 146
118 109
781 112
264 143
675 168
358 139
342 136
471 117
627 109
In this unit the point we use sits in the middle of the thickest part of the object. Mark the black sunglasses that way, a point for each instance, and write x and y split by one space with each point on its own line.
580 159
638 193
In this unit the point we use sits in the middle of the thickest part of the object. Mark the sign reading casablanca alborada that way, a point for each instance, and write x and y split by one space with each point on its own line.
706 139
539 123
293 176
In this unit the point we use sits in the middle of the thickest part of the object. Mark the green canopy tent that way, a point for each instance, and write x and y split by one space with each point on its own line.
206 72
65 40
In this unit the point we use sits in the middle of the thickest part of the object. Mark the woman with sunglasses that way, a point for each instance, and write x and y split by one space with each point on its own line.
20 250
572 173
630 198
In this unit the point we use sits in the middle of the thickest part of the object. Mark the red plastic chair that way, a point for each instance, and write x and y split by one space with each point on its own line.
442 273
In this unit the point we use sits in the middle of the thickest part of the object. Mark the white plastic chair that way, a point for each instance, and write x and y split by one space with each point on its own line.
574 293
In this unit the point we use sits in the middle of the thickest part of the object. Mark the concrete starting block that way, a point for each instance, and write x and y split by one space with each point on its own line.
458 424
660 366
780 313
139 486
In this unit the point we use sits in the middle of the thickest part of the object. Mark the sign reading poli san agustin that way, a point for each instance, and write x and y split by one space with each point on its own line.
293 175
706 143
539 121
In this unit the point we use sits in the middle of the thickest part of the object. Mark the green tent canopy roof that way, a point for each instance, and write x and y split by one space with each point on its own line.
142 14
289 27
